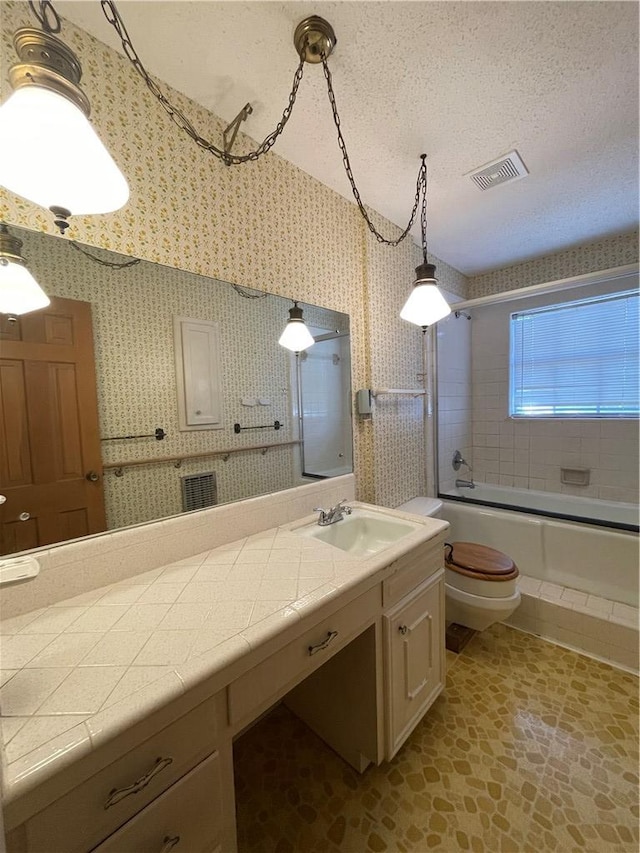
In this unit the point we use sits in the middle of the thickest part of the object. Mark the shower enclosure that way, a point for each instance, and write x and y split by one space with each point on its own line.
536 455
321 377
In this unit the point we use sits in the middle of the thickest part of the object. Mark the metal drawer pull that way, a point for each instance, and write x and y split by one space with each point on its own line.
403 629
118 794
323 645
169 843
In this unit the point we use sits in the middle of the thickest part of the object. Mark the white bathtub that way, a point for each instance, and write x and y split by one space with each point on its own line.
609 513
597 560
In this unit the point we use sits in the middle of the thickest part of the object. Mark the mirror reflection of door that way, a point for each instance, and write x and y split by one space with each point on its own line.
50 460
324 388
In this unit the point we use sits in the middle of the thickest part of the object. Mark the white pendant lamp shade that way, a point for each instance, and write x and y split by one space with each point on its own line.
425 305
51 155
19 291
49 152
296 337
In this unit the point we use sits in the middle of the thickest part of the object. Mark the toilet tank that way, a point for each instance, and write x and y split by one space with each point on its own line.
422 506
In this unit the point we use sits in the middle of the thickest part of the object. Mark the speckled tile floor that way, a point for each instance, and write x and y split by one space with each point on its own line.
530 748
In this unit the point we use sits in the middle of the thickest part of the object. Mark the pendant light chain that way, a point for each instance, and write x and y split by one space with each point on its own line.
420 183
423 212
46 16
177 116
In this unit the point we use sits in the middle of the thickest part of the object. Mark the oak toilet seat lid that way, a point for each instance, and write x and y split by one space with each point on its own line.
479 561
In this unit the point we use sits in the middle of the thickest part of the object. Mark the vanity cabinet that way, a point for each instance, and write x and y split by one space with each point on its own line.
185 819
414 658
157 783
362 669
414 642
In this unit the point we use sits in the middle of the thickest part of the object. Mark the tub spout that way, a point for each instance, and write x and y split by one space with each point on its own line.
465 484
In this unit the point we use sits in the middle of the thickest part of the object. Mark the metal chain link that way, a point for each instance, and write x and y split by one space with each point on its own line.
114 265
420 183
178 117
47 16
246 295
423 211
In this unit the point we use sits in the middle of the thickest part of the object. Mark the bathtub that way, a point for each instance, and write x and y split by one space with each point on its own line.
554 547
553 504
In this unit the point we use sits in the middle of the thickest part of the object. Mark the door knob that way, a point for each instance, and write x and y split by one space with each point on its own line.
24 516
92 476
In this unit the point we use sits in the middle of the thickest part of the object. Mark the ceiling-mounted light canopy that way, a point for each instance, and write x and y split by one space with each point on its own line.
425 305
49 152
296 337
19 291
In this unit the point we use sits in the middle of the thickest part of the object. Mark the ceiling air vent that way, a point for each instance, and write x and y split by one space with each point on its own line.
507 168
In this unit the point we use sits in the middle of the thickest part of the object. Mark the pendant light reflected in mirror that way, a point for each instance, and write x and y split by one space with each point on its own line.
19 291
296 337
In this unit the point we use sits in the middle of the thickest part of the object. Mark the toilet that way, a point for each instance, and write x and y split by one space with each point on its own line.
481 584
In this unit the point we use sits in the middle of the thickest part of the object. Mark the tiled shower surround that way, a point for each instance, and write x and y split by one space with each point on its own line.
530 453
473 398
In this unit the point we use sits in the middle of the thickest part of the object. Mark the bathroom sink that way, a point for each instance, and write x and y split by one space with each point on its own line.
362 533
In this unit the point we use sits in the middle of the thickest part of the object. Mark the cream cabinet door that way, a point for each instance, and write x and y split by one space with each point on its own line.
414 659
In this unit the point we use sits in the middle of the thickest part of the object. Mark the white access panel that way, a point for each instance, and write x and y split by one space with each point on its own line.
198 373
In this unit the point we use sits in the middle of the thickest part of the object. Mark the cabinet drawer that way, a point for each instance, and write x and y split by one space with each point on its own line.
253 692
412 569
93 810
185 819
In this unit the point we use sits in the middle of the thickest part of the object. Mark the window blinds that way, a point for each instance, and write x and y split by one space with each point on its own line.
578 359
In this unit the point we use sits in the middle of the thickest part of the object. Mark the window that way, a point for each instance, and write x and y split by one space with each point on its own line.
576 360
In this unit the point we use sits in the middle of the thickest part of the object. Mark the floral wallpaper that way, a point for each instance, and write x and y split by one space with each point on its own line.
600 255
253 225
132 314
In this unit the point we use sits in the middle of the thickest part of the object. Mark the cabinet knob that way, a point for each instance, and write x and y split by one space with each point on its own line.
24 516
402 629
92 476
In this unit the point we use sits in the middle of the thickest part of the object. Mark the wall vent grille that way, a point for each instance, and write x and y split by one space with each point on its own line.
199 491
507 168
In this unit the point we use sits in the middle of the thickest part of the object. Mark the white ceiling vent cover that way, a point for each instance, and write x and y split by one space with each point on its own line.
507 168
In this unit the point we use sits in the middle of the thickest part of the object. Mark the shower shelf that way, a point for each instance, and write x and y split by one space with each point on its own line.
178 459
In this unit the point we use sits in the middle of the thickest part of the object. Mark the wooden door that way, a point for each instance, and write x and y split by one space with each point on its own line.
49 431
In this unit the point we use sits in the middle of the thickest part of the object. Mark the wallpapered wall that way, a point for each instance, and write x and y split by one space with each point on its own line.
252 225
132 313
600 255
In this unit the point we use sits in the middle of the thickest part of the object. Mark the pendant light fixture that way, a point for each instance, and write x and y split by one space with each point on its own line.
296 337
314 40
19 291
49 152
425 305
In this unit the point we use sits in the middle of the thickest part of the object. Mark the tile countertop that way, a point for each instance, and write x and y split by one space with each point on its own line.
78 673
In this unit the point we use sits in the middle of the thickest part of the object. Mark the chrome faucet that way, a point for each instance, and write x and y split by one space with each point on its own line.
465 484
336 513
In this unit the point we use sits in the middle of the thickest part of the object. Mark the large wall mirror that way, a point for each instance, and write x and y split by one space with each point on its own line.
127 354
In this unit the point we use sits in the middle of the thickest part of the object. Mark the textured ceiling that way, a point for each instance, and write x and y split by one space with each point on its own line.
463 81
